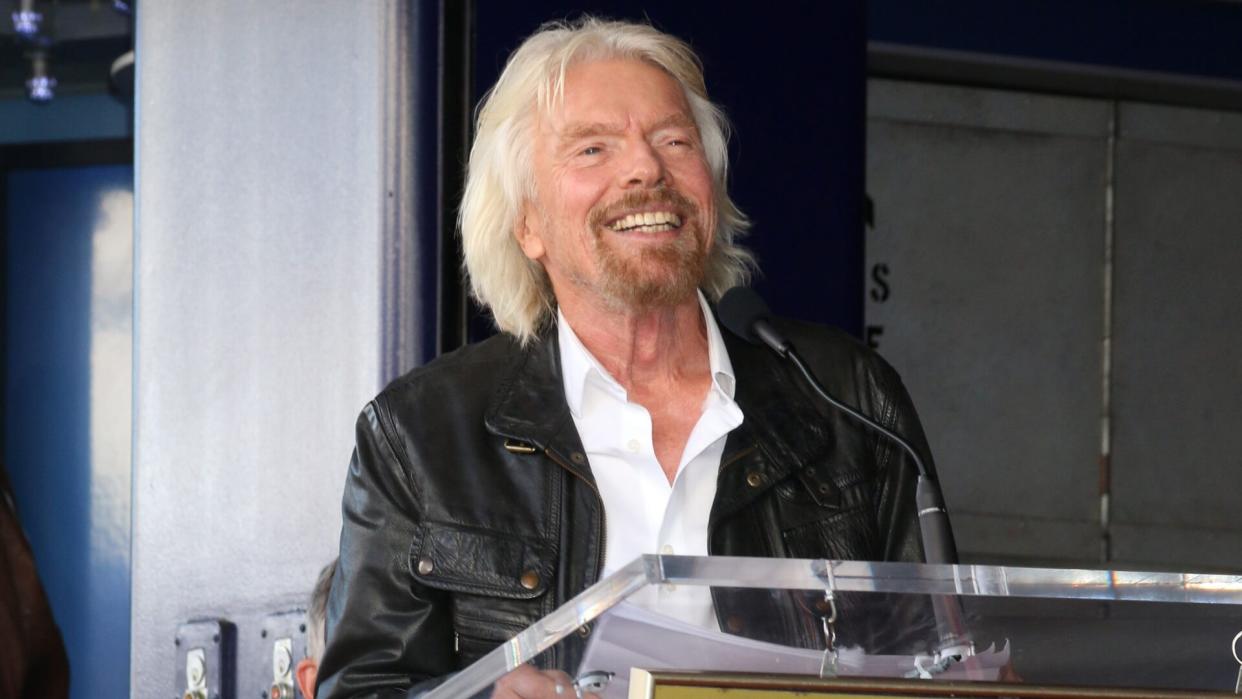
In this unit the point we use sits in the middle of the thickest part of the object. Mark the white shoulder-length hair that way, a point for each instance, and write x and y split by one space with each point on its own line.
499 180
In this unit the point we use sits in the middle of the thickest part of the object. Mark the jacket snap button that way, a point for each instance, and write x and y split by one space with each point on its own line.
530 580
425 566
578 458
584 630
753 479
823 488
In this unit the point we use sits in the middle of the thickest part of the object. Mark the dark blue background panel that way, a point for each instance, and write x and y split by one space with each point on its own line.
1192 37
68 338
793 83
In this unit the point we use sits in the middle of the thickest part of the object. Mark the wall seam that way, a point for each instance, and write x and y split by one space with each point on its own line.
1106 339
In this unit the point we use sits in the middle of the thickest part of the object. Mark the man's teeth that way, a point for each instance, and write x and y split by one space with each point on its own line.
650 222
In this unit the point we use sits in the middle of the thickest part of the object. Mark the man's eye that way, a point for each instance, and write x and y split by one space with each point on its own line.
591 150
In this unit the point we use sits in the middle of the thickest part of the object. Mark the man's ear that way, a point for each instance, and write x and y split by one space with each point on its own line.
306 673
528 234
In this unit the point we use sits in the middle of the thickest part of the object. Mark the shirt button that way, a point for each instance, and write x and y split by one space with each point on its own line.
633 445
666 550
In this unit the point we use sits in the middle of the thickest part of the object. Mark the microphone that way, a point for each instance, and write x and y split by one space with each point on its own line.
746 315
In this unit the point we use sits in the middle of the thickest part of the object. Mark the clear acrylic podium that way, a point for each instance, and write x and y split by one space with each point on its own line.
851 628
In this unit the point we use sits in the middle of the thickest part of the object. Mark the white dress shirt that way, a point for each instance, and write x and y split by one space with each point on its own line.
643 512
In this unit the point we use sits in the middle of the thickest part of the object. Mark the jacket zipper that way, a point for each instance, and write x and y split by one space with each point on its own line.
603 521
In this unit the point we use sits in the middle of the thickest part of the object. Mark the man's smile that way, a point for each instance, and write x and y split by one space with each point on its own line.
646 222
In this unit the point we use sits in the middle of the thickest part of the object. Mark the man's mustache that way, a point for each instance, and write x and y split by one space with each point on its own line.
679 203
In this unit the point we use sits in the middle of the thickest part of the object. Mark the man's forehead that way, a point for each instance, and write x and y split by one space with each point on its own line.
572 129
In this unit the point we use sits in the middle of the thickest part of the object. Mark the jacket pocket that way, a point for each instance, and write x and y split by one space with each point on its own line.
498 582
809 497
847 535
833 519
481 562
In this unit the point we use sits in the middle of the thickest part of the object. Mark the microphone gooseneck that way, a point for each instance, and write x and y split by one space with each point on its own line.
745 314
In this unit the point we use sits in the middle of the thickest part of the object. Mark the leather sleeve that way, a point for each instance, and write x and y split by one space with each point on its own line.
901 623
897 512
387 635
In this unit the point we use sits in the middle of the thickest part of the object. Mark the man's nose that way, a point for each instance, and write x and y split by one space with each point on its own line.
643 167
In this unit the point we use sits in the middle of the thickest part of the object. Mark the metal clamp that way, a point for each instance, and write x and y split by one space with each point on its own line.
1237 688
828 666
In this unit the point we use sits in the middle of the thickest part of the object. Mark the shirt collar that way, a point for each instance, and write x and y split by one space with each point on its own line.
578 365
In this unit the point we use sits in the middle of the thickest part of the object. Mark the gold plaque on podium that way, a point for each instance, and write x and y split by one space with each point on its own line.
694 685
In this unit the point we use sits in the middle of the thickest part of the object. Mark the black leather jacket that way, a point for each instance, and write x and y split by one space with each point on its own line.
470 510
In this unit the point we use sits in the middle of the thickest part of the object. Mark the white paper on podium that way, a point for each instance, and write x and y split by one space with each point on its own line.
630 636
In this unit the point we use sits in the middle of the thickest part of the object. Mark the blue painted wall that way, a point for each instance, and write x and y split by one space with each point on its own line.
68 338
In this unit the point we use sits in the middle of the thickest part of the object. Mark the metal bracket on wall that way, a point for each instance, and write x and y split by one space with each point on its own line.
284 638
207 651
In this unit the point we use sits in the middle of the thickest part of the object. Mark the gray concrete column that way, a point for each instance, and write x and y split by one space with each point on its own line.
262 218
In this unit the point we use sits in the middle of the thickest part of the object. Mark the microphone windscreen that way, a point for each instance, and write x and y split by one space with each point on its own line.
740 308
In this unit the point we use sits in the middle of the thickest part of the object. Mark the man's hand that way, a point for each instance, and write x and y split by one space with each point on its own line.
528 683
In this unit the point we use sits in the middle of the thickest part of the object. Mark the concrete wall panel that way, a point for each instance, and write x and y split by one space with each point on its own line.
1178 379
985 282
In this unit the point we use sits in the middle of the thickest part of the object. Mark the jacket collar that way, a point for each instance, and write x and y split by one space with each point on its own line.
528 407
779 410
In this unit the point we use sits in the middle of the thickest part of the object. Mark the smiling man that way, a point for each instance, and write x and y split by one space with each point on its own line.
611 417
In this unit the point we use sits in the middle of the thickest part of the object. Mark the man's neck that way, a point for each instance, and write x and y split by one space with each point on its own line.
644 349
660 357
